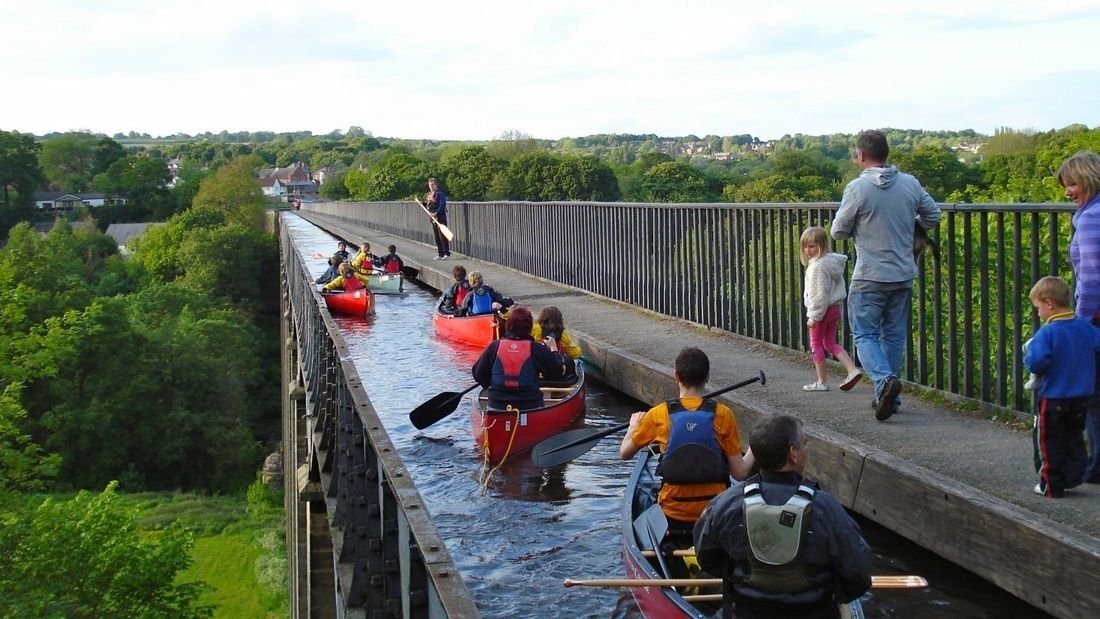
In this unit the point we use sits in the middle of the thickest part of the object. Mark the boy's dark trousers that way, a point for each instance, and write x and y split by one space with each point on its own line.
1058 438
442 245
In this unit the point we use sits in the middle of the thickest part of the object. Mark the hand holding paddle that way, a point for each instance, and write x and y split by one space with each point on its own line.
570 445
437 408
444 230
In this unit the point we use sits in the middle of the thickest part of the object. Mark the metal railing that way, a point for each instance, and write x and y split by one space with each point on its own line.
735 267
360 539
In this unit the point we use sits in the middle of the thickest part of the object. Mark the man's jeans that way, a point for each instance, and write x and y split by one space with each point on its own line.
879 319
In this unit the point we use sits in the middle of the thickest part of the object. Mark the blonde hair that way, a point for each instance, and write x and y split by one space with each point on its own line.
1083 170
475 279
1054 289
814 235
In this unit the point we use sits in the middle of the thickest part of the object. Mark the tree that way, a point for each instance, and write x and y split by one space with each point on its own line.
529 177
69 161
233 191
87 558
334 188
937 168
143 182
469 172
586 178
19 171
674 182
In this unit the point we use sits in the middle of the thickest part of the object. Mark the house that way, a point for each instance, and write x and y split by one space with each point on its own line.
293 181
63 201
123 234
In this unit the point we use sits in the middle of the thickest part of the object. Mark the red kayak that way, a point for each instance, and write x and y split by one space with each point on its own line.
477 331
502 434
355 303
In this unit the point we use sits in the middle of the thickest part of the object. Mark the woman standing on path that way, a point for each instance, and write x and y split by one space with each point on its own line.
1080 177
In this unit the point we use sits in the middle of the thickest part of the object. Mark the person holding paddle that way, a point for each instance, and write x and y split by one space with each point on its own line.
700 443
510 367
437 207
784 547
363 262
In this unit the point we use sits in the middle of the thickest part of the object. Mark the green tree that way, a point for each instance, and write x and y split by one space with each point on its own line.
87 558
69 161
469 172
142 182
233 191
586 178
19 171
531 176
334 187
937 168
674 182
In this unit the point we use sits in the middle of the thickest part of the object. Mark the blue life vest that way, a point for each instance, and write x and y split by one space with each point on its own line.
692 454
481 302
514 368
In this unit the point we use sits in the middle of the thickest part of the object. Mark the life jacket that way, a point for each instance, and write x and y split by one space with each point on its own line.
459 292
776 535
481 302
692 454
352 282
392 264
514 367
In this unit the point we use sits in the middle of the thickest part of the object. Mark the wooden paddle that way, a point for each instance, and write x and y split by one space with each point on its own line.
444 230
877 582
573 444
438 407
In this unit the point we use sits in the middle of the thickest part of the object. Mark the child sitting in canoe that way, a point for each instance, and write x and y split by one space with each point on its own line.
363 262
346 282
332 272
550 330
482 299
391 262
456 294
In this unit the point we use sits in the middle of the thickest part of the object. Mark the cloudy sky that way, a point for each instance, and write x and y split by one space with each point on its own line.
550 68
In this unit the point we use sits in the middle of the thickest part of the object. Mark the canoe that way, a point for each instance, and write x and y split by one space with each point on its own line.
663 602
355 303
477 331
503 434
384 283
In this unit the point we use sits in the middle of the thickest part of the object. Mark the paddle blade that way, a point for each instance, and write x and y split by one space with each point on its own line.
562 448
435 409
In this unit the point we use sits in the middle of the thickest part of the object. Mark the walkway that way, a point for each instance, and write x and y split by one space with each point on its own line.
951 480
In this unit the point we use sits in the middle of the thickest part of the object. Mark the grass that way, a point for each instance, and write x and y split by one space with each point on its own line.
239 547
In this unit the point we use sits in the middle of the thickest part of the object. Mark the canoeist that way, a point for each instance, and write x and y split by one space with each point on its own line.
363 262
550 330
700 445
342 251
510 367
482 299
453 296
784 547
333 270
347 281
391 262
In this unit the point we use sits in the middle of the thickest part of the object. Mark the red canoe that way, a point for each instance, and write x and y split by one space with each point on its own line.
477 331
502 434
355 303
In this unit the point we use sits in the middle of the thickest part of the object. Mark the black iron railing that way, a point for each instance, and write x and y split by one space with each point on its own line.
735 267
366 531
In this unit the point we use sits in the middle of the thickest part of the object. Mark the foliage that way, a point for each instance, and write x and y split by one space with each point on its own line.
87 558
674 182
334 188
20 176
143 182
468 173
233 191
937 168
396 175
23 464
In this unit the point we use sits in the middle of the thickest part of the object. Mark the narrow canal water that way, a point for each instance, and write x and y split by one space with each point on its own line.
516 533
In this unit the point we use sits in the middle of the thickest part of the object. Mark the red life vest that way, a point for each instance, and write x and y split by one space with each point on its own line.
514 367
460 291
351 283
393 265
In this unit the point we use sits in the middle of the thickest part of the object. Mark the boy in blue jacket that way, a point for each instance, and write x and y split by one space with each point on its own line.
1063 355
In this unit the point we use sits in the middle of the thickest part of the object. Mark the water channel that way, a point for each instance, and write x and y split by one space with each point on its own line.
517 533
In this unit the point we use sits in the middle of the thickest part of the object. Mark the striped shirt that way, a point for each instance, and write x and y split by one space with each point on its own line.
1084 255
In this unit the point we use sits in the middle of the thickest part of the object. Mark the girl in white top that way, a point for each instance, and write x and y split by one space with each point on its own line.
824 294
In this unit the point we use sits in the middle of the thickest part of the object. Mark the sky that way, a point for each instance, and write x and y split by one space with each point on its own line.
549 69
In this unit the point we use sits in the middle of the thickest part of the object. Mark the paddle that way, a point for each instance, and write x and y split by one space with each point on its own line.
573 444
877 582
652 525
444 230
437 408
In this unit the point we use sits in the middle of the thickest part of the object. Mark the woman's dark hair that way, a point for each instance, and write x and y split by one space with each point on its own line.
459 272
519 322
772 438
551 322
393 249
